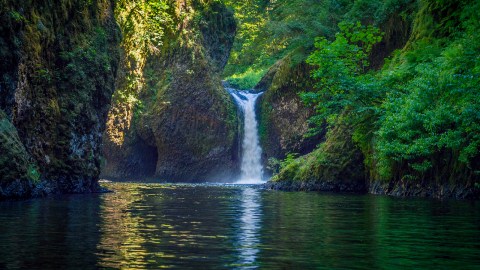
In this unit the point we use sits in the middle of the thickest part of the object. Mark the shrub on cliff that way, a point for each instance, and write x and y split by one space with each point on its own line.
416 119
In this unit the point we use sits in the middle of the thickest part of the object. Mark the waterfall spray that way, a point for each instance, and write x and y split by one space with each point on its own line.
251 165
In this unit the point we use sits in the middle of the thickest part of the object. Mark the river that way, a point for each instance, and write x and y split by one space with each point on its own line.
152 226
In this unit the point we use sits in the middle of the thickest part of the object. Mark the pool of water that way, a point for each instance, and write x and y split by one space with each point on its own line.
152 226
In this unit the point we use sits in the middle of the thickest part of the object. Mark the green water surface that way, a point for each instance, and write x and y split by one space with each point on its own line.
154 226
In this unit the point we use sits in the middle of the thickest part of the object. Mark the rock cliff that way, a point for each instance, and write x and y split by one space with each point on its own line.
57 73
283 117
183 126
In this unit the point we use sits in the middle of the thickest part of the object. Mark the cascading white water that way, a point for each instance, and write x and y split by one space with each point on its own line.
251 166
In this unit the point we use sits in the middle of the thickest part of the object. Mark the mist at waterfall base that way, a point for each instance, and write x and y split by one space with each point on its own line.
251 165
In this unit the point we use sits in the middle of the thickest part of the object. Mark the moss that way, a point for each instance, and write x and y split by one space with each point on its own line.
335 160
62 60
282 114
18 173
33 174
180 106
437 19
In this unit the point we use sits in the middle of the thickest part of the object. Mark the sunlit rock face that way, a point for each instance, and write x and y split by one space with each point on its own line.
183 124
58 61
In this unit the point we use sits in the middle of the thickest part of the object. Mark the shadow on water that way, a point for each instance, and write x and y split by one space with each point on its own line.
151 226
51 233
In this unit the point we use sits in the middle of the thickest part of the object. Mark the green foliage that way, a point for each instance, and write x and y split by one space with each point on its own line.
43 74
144 25
335 159
436 113
378 12
246 80
269 30
17 16
273 164
85 62
340 73
290 171
33 174
417 118
289 159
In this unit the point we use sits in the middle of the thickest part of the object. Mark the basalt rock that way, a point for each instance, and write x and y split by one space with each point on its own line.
17 171
427 189
283 117
336 165
184 127
58 62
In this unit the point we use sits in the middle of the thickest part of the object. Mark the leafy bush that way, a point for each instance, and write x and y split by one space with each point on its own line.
340 73
433 122
246 80
270 30
417 118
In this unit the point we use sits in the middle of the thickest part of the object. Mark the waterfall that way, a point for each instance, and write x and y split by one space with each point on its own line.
251 166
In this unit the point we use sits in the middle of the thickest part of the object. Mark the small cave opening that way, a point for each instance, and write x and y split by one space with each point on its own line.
145 162
135 161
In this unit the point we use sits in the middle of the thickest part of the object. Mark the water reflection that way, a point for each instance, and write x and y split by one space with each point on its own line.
145 226
123 234
250 227
152 226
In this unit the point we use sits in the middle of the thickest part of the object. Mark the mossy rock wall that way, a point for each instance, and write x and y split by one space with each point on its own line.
336 165
185 121
282 114
57 73
17 171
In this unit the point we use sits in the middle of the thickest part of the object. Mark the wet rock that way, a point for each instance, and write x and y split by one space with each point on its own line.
427 189
327 186
336 165
15 163
58 62
283 118
186 129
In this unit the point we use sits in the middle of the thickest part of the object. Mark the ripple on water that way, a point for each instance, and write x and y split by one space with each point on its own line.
145 226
